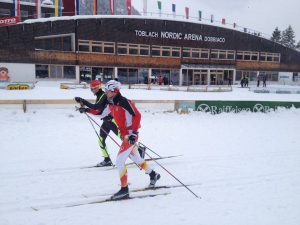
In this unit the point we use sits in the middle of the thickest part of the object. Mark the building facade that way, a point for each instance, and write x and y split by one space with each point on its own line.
138 50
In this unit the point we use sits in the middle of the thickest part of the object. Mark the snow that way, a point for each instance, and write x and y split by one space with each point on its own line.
245 166
51 90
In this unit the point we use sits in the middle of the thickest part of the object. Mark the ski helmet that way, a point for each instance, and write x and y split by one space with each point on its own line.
113 86
95 84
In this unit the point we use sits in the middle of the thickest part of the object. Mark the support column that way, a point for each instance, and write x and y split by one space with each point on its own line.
180 77
208 77
77 73
115 73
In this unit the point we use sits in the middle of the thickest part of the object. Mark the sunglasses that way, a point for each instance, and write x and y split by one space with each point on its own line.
93 88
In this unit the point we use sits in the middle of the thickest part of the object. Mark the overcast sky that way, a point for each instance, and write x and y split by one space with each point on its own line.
260 15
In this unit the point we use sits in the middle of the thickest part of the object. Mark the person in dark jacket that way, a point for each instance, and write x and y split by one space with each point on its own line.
100 109
128 120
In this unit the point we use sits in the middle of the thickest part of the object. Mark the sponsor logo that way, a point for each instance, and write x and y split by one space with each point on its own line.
213 109
8 21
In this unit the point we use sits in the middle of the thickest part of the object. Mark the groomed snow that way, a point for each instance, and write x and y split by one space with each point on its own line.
51 90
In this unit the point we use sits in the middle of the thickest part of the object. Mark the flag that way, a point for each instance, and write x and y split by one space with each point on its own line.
223 21
245 30
77 7
145 7
234 25
95 7
128 6
112 7
60 8
55 8
187 10
38 8
159 7
174 10
200 15
17 9
211 18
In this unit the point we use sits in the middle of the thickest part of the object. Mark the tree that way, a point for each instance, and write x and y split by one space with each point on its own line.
276 36
288 37
298 46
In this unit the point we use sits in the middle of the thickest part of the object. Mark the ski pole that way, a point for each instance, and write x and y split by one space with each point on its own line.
98 136
140 143
91 119
173 176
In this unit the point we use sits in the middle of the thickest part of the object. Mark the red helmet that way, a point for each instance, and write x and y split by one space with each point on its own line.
95 84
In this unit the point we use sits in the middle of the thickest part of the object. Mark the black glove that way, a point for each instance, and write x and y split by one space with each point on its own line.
83 110
78 99
132 138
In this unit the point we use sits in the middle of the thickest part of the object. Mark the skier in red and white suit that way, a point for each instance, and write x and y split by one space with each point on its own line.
128 120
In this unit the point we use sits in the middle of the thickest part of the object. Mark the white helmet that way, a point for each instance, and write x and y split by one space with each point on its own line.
113 86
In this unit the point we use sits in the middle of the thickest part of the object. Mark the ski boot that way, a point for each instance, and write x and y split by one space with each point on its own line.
154 177
105 162
142 150
122 194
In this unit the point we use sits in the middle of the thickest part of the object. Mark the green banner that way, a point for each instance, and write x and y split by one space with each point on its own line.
216 107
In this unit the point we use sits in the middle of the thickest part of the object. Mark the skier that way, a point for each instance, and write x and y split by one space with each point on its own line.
100 108
128 119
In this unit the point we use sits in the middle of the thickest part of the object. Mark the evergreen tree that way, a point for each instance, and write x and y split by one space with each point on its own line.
298 46
288 37
276 36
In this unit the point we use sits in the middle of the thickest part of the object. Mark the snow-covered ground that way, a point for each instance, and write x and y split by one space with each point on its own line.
245 167
51 90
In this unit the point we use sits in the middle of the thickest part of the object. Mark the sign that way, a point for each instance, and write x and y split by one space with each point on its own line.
217 107
8 21
179 36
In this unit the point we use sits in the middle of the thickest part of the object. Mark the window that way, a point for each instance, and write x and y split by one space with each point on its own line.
96 46
222 54
246 56
69 72
195 53
41 71
269 57
56 43
166 51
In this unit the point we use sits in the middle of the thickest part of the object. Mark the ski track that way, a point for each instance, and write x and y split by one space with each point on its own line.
247 167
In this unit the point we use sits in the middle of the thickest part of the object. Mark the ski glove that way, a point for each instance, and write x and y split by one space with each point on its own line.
83 110
132 138
78 99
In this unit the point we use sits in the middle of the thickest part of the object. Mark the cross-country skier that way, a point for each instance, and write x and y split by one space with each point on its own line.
100 108
128 119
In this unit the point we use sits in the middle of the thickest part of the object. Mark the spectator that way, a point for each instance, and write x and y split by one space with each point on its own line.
265 80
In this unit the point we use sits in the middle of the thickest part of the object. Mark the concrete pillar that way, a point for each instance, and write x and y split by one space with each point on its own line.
77 73
208 77
180 77
115 73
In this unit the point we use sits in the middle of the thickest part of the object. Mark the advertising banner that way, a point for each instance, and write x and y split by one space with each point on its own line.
8 21
216 107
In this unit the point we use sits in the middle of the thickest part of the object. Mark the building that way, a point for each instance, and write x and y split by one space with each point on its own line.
27 9
139 49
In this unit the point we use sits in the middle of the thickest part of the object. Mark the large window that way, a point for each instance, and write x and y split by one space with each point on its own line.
195 53
96 46
165 51
133 49
222 54
269 57
247 56
56 43
55 72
